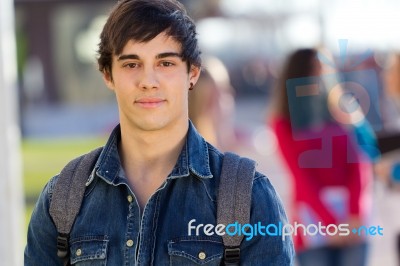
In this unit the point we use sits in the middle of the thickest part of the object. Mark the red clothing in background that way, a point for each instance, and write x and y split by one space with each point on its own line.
330 176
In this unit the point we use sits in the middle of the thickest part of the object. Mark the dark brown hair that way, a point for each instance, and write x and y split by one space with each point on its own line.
141 21
301 65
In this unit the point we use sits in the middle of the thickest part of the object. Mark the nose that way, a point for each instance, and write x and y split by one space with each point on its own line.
148 79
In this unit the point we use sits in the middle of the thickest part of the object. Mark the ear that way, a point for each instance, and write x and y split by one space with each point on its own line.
194 74
107 77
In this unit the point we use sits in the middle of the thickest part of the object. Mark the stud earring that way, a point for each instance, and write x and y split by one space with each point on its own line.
191 86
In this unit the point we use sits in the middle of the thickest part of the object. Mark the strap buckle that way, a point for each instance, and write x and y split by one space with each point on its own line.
62 245
232 255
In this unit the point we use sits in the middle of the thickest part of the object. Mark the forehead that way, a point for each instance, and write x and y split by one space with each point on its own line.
162 43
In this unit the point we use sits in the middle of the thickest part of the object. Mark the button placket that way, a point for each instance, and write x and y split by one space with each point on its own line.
130 198
202 255
129 243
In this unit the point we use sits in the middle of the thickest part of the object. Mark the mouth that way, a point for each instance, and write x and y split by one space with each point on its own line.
149 103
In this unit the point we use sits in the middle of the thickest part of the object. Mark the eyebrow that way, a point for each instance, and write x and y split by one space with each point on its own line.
159 56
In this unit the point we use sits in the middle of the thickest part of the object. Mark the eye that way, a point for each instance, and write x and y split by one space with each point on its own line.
131 65
166 64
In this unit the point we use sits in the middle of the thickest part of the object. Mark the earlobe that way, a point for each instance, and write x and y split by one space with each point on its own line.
194 75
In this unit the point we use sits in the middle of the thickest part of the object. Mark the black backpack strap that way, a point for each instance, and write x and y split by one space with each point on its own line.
234 201
67 198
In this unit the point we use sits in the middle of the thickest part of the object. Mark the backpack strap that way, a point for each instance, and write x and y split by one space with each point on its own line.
67 198
234 201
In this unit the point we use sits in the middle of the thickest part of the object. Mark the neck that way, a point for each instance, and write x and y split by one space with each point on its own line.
150 154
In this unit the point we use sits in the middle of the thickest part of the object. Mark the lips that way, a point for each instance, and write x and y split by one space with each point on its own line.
150 102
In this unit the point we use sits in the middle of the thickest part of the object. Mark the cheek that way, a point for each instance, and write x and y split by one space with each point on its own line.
182 98
123 85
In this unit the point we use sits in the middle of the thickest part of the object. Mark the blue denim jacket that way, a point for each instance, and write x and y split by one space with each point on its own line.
110 230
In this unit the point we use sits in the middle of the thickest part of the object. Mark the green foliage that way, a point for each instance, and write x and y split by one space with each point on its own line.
42 159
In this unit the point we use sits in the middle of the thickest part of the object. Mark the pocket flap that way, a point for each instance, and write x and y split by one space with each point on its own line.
88 248
200 250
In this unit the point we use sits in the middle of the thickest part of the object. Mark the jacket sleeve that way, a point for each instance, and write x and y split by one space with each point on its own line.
265 245
41 248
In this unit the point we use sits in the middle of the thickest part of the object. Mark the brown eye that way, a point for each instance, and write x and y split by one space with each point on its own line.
131 65
166 64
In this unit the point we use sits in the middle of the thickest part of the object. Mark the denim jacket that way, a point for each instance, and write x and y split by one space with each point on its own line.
111 230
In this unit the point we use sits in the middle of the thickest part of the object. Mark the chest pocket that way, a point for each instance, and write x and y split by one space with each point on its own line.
89 250
195 250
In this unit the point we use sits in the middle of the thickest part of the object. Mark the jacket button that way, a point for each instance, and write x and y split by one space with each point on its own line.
78 252
130 198
202 255
129 243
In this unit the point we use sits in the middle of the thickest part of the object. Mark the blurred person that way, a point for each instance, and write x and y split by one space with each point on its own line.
330 174
213 110
388 168
391 82
212 107
391 86
155 173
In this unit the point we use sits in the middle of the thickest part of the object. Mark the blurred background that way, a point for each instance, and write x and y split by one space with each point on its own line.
66 110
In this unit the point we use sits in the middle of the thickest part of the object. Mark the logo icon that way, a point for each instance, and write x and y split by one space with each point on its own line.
349 96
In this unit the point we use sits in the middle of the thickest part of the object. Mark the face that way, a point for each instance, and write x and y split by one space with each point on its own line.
392 77
151 83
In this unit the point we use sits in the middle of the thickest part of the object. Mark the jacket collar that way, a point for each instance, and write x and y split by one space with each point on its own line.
193 158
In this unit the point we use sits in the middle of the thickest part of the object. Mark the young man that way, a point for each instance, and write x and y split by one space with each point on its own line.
156 173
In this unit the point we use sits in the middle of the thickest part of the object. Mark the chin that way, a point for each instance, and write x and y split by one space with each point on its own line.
152 125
